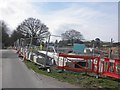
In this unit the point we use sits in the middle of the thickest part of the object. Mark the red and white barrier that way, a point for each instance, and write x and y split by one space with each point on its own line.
111 68
104 67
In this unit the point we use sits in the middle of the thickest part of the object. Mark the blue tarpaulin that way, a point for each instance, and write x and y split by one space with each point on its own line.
78 48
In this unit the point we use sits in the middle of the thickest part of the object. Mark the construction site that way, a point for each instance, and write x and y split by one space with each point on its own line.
77 58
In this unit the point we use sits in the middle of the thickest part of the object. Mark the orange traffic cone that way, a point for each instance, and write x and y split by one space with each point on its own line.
24 57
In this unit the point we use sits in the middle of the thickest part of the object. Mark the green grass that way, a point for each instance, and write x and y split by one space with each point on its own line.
79 79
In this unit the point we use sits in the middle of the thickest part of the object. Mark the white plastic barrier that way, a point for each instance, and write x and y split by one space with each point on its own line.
61 61
21 50
32 57
101 64
55 58
24 52
35 59
29 56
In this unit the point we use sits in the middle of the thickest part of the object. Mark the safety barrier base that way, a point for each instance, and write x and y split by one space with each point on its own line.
111 75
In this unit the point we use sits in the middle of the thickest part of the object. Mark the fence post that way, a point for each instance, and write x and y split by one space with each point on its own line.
98 63
115 66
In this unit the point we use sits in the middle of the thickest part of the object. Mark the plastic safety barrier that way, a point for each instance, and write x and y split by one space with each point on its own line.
80 63
105 67
111 68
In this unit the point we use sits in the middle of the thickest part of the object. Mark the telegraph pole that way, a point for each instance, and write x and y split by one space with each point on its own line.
111 48
46 56
47 50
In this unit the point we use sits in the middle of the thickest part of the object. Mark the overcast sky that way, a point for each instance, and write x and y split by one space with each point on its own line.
93 18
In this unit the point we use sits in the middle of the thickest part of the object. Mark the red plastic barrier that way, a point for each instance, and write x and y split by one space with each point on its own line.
24 56
111 68
94 63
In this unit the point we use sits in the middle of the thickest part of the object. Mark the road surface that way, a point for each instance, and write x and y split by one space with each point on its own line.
0 69
15 74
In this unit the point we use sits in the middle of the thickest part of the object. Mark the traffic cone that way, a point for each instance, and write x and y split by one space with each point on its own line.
19 54
24 57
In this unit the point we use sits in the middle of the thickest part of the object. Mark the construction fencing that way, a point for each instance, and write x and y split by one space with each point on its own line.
91 64
102 67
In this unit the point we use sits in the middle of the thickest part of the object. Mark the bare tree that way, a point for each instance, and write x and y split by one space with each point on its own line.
33 28
15 36
72 35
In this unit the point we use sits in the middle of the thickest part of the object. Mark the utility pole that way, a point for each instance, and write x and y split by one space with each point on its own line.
110 53
46 56
93 48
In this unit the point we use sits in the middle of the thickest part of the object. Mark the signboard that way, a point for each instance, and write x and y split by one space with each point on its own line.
78 48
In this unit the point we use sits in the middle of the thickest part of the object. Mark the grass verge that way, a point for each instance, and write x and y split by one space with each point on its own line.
79 79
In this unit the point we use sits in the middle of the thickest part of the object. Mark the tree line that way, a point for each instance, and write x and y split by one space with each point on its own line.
32 28
4 36
36 31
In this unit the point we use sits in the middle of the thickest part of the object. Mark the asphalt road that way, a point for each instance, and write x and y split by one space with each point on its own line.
15 74
0 69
